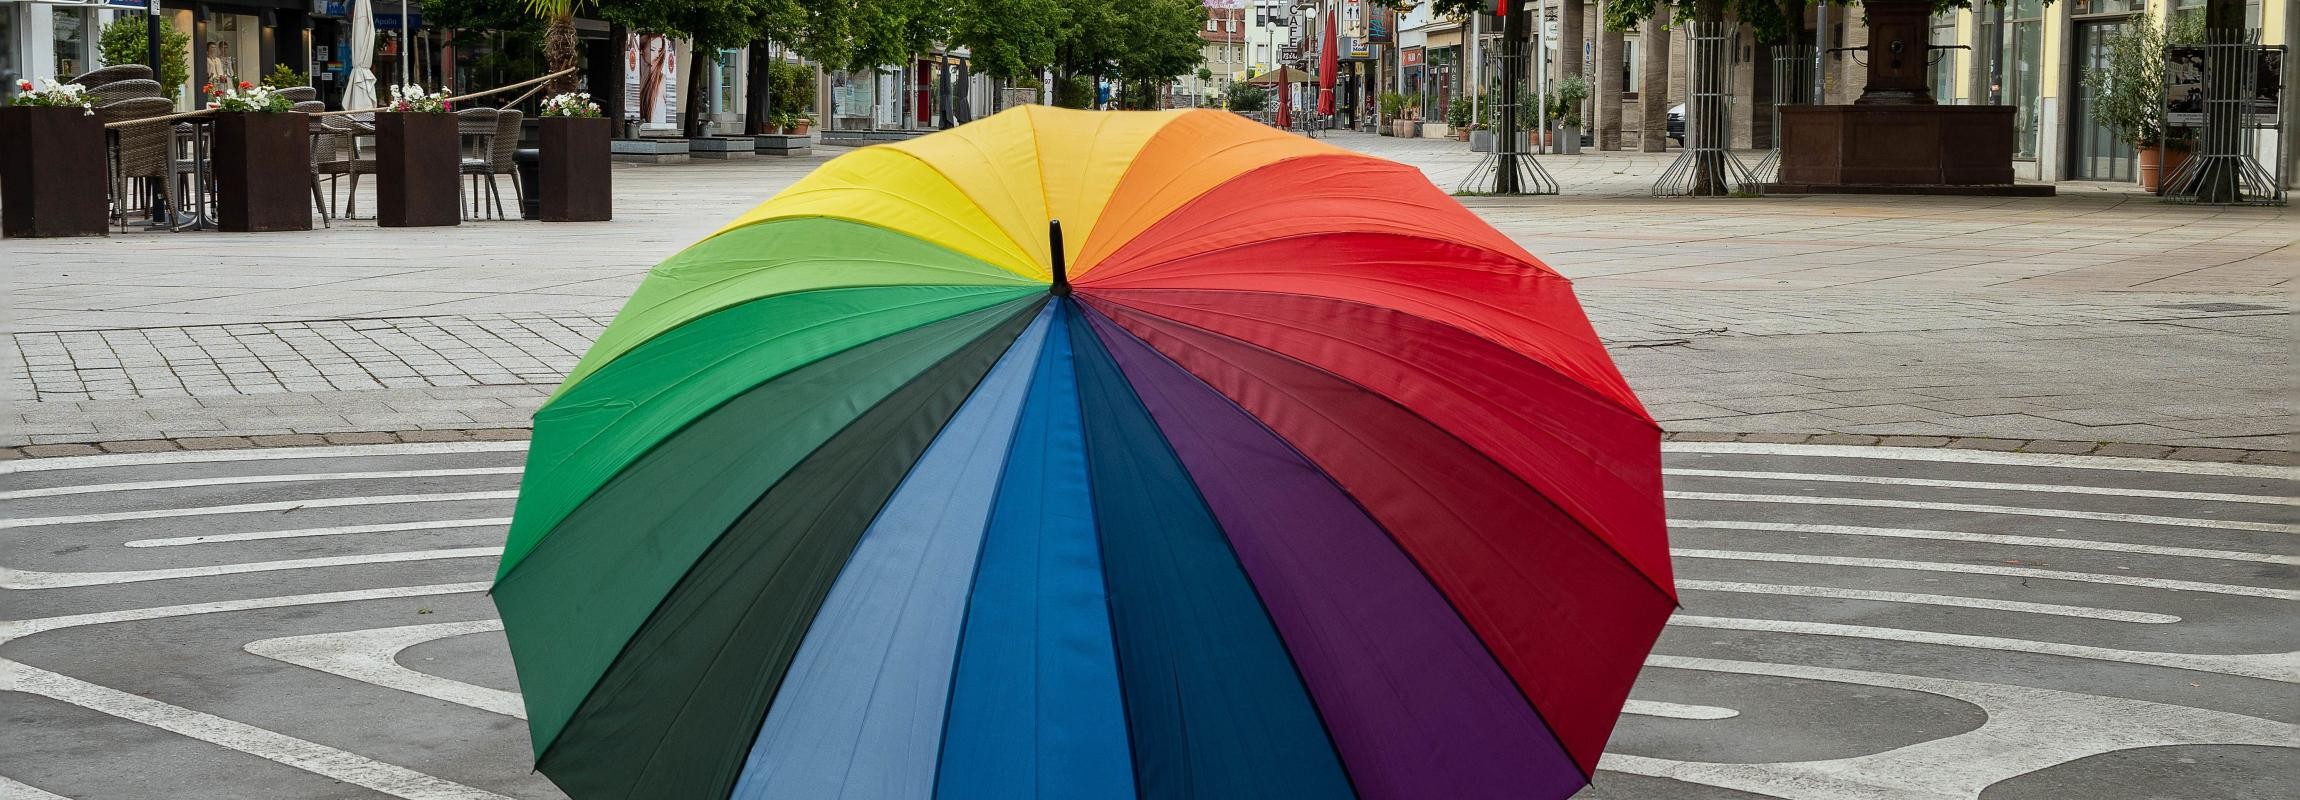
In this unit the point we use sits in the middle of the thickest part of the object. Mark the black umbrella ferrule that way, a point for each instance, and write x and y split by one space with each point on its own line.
1061 286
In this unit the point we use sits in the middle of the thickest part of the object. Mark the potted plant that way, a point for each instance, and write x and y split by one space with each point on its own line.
1481 130
52 166
261 158
1393 107
417 153
800 124
1565 112
1457 118
2127 96
574 180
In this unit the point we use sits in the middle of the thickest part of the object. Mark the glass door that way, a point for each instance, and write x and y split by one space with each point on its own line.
2095 153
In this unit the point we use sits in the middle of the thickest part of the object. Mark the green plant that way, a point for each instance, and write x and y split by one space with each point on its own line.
2128 88
1076 91
125 42
282 77
51 93
791 88
1393 104
1457 115
1565 102
1247 97
248 97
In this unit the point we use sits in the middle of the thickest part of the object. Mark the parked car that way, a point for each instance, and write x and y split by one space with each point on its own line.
1677 124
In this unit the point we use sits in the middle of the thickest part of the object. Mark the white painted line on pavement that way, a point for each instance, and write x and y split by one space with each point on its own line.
1987 538
11 578
310 757
257 454
341 530
251 508
2027 729
1655 708
2113 491
11 630
2110 614
1993 569
2026 511
2269 666
241 480
1954 456
371 656
12 789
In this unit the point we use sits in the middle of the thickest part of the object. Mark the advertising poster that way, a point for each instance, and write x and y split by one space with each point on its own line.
2268 85
2184 86
650 80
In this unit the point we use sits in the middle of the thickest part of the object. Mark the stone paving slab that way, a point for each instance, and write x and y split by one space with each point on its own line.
2091 317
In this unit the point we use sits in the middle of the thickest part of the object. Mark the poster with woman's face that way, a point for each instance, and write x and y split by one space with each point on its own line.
650 80
2184 85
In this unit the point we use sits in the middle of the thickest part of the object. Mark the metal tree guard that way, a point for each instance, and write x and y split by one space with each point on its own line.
1792 86
1509 169
1706 166
2222 170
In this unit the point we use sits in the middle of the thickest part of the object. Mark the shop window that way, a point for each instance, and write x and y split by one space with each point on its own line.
2020 77
71 41
1942 76
10 70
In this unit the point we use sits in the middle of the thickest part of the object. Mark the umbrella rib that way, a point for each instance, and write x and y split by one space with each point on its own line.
1376 521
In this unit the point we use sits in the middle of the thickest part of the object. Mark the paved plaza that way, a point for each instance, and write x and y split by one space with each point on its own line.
2099 318
253 488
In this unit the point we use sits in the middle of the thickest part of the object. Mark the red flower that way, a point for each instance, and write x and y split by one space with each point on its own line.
24 85
207 88
246 85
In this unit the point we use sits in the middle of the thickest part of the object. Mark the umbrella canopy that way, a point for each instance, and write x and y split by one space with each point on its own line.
1268 471
1328 66
1281 75
359 87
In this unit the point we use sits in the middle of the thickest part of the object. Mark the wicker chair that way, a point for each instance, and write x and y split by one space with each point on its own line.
477 127
314 107
126 89
143 150
106 75
336 153
497 160
301 94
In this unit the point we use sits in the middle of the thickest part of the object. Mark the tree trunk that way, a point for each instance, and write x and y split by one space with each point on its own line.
1609 86
691 110
559 52
1572 29
1515 33
611 104
2217 181
1706 127
1653 86
756 102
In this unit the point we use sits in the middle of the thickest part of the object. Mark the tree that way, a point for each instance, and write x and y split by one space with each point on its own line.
708 26
127 41
558 38
1158 42
1009 38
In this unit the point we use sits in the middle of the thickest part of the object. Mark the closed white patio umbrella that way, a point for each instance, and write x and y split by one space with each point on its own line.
359 92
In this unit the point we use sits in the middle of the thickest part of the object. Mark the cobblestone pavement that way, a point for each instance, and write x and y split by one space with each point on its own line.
2096 316
1857 624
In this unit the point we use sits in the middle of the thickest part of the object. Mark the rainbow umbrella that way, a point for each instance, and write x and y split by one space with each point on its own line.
1089 455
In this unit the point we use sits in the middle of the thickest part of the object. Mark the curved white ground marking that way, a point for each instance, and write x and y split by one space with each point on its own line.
2028 729
2269 666
371 656
1655 708
12 789
310 757
1986 538
2025 511
340 530
1993 569
241 480
250 508
257 454
11 578
1954 456
13 629
2113 491
1959 601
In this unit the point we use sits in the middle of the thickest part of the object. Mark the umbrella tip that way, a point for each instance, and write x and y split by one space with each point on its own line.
1061 286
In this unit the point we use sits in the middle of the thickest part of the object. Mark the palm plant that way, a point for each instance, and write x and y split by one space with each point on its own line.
558 40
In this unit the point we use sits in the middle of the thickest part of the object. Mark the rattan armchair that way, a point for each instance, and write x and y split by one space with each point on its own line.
103 76
496 159
301 94
477 127
142 152
125 89
336 153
